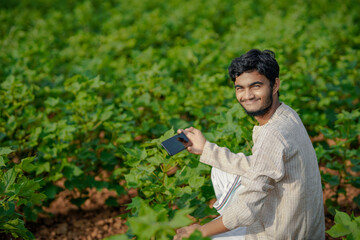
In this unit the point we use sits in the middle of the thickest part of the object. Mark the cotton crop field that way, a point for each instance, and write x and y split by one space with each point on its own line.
89 90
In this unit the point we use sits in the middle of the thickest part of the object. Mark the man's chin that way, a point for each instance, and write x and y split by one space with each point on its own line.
257 113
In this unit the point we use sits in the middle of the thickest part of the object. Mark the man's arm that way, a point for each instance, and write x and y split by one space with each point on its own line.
214 227
225 160
235 163
267 168
209 229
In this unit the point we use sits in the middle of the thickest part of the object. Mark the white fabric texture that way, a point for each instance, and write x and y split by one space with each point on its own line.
225 185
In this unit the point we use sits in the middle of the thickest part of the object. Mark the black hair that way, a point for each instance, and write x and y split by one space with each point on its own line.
255 60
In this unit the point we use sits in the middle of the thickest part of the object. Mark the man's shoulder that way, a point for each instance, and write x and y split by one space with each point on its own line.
285 122
285 118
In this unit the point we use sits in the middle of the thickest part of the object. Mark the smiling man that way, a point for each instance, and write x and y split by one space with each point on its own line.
281 193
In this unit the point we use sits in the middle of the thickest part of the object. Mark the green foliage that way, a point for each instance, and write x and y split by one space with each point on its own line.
86 87
16 191
342 156
345 225
154 221
161 190
117 237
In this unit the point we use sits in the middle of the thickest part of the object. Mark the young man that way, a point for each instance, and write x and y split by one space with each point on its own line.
281 193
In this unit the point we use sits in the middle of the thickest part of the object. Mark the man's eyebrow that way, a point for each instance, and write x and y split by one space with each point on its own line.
250 85
254 83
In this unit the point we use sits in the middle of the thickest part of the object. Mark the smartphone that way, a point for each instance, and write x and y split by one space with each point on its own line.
176 144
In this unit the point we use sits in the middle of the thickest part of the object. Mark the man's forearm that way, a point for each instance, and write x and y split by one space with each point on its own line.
214 227
235 163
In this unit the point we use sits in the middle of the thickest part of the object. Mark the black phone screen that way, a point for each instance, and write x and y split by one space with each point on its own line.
176 144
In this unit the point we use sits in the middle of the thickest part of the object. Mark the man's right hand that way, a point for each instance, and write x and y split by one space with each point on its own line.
197 139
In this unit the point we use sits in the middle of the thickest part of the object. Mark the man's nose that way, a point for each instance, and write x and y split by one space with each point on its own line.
248 94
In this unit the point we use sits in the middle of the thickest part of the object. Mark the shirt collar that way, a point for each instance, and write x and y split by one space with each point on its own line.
276 114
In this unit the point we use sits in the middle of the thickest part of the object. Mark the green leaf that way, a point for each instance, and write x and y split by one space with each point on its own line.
167 134
52 102
356 165
50 190
78 201
136 153
71 171
106 115
144 225
196 235
37 198
5 151
42 167
334 165
196 182
357 200
338 230
9 178
111 201
181 218
342 218
117 237
156 160
133 179
26 164
333 180
3 161
25 187
135 204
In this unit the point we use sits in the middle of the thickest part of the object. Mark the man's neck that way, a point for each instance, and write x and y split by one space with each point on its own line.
262 120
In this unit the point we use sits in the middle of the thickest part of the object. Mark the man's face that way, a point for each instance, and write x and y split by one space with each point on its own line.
254 93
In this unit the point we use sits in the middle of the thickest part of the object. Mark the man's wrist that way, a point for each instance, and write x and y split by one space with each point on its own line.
213 228
203 231
204 153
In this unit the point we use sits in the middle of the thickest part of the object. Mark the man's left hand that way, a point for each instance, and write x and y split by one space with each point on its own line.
185 231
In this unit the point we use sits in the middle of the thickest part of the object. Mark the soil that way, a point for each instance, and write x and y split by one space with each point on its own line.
94 220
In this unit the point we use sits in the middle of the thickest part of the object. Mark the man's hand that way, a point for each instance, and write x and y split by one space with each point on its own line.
185 232
196 137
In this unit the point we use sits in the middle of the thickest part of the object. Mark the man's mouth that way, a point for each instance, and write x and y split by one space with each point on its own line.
249 102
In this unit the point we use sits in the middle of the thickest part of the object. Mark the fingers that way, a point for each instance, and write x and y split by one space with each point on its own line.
190 129
187 130
183 131
179 234
193 150
176 237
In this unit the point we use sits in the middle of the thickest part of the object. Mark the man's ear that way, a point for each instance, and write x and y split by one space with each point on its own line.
276 85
